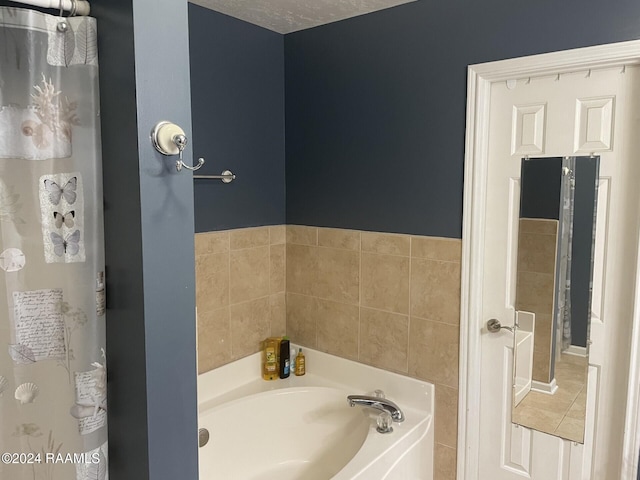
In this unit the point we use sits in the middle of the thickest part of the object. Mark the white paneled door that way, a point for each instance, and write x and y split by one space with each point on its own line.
590 111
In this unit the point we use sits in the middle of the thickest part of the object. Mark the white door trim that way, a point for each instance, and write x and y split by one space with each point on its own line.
632 417
479 80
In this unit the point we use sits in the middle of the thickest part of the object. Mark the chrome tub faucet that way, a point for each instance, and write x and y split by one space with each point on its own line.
379 403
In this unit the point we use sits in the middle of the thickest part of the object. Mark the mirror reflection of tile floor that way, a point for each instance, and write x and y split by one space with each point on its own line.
563 413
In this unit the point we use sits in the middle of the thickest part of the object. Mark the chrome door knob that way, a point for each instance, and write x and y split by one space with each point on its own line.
494 326
203 437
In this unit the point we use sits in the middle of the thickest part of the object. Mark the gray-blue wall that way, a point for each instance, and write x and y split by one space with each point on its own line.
149 242
582 248
375 105
540 190
375 109
237 91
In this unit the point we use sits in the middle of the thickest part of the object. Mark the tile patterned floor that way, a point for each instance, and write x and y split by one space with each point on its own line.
561 414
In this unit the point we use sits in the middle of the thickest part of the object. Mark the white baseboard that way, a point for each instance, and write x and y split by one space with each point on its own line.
542 387
575 350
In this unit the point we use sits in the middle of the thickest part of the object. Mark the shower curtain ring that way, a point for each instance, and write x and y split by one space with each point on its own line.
72 10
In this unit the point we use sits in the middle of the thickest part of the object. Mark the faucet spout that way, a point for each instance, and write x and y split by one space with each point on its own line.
378 403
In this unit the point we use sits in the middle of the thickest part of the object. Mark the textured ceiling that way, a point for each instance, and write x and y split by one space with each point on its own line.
285 16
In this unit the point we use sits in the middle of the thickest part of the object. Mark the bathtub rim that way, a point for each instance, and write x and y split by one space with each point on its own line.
242 377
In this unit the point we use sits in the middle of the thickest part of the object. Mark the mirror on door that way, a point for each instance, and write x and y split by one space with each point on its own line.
553 294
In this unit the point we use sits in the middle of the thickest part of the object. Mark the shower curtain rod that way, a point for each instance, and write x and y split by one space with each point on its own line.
77 7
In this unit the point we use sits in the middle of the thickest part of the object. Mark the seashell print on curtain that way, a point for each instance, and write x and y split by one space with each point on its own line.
53 396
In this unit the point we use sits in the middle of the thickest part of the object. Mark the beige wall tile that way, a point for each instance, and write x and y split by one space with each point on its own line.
338 275
385 282
339 238
277 269
433 248
541 366
538 225
302 269
249 274
534 292
302 235
250 325
248 237
384 339
338 329
211 242
435 290
445 459
542 335
212 281
214 339
542 348
278 307
446 416
386 243
536 253
278 234
302 314
433 351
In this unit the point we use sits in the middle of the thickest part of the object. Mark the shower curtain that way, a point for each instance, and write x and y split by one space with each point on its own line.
52 303
563 290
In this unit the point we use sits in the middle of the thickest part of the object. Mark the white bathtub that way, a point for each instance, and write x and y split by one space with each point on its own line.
303 428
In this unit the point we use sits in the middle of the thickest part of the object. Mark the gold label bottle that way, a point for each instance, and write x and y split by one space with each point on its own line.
301 367
270 359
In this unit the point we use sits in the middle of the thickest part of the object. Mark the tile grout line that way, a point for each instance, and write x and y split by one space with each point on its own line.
315 245
286 320
229 291
270 278
409 309
359 294
365 307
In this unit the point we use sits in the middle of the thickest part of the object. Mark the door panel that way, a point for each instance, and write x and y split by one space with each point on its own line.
559 115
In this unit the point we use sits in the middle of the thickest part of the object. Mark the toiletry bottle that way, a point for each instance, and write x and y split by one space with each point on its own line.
284 368
270 359
300 364
292 360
